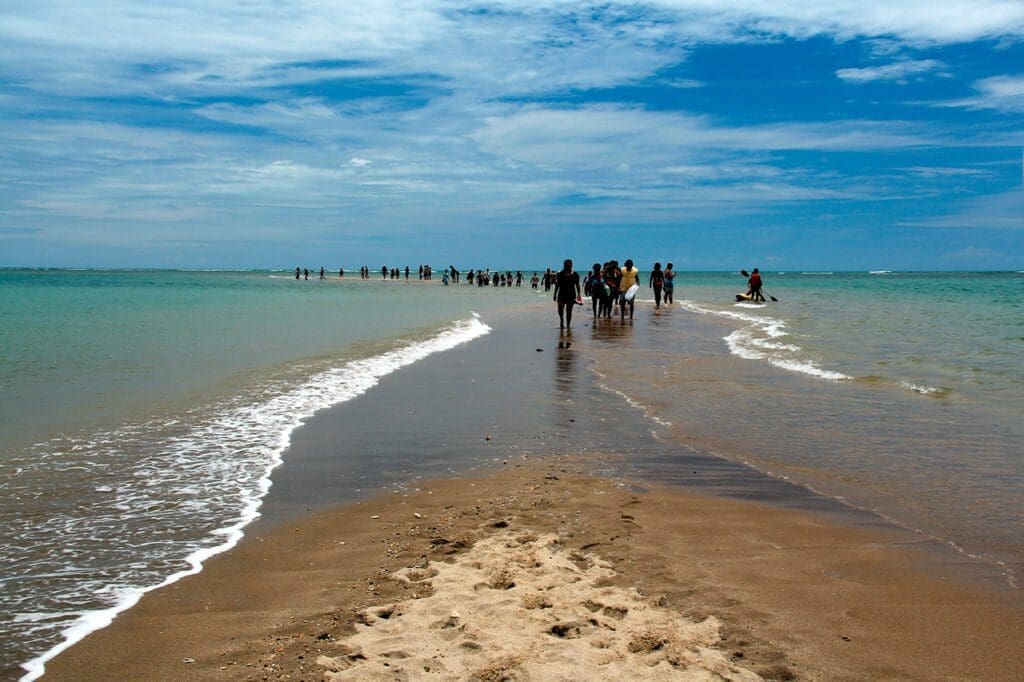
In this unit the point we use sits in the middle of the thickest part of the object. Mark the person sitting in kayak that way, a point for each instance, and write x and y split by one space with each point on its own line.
754 286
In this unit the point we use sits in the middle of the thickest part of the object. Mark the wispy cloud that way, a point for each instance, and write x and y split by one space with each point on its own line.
946 172
896 71
595 135
1003 93
1001 211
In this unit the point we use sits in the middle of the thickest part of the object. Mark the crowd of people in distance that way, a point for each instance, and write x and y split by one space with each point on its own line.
486 278
608 286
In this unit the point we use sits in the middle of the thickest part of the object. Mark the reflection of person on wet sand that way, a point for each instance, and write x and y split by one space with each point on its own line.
566 381
567 290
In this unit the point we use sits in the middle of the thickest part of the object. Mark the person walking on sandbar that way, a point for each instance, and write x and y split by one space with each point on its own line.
657 282
567 292
629 277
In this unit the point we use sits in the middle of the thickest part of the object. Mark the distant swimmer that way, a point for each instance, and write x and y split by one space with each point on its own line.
323 274
298 273
567 292
305 273
670 285
534 281
629 276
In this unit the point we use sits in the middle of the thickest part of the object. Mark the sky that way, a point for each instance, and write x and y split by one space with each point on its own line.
846 135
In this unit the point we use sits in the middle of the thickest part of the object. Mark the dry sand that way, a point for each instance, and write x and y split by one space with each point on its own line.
543 572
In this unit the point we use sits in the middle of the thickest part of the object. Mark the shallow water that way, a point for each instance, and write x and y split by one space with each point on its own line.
144 411
920 429
169 398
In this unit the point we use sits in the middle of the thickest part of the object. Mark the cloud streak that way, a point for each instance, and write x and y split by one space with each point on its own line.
897 71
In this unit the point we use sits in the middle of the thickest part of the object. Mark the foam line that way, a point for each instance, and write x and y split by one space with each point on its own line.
755 342
278 417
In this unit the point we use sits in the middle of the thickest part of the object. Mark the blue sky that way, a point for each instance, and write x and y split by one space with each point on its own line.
717 135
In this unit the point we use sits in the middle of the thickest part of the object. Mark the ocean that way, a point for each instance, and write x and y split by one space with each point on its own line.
145 412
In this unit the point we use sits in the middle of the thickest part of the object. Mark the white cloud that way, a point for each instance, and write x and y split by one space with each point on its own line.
359 163
913 21
946 172
522 46
596 136
1004 93
897 71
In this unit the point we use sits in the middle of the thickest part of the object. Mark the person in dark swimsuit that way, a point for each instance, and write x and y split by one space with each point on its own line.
597 291
657 282
567 291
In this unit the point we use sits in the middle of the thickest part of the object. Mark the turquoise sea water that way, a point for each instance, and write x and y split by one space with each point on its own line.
143 411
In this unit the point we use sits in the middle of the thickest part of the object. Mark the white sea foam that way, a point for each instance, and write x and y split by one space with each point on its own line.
633 402
757 340
219 467
923 390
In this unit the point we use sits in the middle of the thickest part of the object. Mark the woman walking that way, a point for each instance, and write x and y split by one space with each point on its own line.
595 285
657 282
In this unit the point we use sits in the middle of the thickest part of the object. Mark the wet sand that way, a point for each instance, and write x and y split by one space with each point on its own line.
792 597
761 577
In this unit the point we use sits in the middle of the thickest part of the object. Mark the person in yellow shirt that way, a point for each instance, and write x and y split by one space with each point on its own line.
629 278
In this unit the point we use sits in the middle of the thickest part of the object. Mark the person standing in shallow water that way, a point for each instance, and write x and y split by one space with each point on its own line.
670 285
567 291
629 276
612 277
597 290
657 282
754 284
